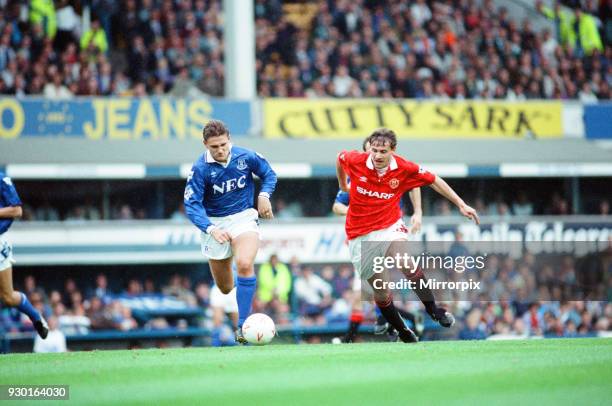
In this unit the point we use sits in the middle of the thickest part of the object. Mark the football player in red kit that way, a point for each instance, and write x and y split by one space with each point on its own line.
379 178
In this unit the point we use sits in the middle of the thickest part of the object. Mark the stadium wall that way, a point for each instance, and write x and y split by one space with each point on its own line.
314 241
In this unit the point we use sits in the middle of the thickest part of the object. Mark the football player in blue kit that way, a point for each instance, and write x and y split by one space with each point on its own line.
10 209
219 200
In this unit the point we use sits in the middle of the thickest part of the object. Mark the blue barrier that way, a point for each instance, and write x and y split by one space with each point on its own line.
598 121
120 118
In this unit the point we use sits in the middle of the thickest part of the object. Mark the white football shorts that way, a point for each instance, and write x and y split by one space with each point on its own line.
6 254
235 224
396 231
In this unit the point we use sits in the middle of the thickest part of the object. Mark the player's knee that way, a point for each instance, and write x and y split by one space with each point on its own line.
225 289
245 267
7 299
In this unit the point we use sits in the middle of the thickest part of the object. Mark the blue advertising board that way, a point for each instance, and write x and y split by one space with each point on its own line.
598 120
119 118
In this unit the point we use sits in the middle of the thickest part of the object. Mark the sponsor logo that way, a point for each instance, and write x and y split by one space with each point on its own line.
371 193
5 252
229 185
241 165
401 229
394 183
188 192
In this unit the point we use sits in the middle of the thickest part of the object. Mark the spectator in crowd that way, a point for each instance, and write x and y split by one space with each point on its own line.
124 212
42 13
94 40
179 213
522 206
533 320
99 315
76 215
134 288
55 341
55 89
273 281
472 329
68 25
202 293
149 287
313 294
176 289
101 290
286 210
604 208
121 316
69 322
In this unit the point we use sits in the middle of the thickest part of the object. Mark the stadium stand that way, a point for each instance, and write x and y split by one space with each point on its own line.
429 49
318 306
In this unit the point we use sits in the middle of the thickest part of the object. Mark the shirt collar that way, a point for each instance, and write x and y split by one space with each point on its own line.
392 163
211 160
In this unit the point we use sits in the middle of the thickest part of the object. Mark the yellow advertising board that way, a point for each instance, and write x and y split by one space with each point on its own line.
355 118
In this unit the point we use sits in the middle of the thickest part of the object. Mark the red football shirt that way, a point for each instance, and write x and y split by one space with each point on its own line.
375 199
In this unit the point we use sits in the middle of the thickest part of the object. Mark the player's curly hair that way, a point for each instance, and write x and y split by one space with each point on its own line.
383 135
214 128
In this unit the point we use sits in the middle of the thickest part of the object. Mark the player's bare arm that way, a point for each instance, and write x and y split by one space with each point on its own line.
340 209
417 217
445 190
11 212
342 177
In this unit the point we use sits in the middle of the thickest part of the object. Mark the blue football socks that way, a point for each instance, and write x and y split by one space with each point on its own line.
27 308
244 296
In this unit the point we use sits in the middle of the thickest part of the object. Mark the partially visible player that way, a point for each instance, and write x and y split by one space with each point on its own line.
340 208
222 305
219 200
10 209
378 181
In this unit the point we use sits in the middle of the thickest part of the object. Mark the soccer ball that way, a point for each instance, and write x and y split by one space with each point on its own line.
258 329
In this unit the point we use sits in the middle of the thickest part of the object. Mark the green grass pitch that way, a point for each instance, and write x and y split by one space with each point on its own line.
552 371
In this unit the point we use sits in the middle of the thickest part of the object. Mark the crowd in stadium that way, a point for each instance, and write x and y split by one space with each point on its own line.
524 299
433 49
456 49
